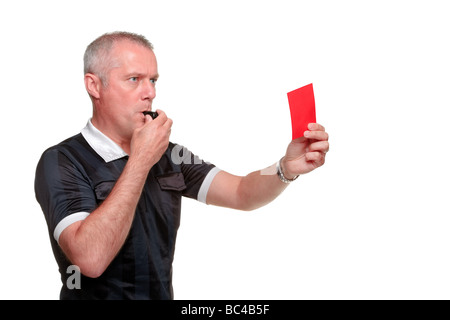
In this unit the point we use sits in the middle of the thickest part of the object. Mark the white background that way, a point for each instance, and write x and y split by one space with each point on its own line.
373 223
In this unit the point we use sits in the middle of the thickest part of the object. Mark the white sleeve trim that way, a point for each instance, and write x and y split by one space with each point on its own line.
67 221
203 191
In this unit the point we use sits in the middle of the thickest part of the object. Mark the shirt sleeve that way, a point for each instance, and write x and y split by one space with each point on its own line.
198 174
64 193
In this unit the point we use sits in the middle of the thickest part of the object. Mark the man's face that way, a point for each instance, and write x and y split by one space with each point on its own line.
130 89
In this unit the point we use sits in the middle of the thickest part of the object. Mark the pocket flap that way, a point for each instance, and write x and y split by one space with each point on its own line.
172 181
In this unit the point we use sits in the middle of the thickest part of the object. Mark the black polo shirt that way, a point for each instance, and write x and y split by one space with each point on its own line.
75 176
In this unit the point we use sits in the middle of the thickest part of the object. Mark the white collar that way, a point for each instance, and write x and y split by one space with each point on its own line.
104 146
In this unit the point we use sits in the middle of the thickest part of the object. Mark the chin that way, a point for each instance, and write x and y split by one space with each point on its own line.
140 119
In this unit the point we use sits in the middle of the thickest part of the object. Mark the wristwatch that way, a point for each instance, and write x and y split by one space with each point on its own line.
281 175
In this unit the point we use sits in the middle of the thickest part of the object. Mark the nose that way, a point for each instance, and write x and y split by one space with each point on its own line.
148 90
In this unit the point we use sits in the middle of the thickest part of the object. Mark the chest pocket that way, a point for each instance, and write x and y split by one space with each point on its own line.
172 181
103 189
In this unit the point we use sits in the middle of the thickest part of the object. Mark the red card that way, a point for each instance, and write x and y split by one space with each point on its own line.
303 109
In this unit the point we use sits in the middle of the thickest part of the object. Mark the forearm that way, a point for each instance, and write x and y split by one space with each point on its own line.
95 242
259 188
245 192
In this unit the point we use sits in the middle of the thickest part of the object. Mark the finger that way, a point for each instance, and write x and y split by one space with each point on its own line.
315 127
147 118
168 124
316 135
320 146
318 158
161 116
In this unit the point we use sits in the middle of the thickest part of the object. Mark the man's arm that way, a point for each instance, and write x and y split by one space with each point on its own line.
92 244
261 187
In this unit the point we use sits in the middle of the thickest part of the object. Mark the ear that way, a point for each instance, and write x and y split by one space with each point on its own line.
92 84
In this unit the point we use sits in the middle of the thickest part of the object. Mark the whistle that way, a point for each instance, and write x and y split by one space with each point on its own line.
152 114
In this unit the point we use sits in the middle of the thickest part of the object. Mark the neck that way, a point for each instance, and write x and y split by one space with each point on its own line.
104 128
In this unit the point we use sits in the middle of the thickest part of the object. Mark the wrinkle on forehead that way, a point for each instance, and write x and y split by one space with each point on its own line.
124 52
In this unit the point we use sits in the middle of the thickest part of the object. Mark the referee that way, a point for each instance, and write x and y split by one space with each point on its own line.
111 195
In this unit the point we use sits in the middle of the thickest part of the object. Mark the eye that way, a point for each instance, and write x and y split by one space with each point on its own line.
133 79
153 81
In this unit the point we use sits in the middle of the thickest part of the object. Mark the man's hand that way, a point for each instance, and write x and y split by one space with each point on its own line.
150 141
306 153
257 189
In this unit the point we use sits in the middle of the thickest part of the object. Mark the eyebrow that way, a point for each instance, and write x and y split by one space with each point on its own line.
140 75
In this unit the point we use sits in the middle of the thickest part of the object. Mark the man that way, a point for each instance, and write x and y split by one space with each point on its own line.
111 195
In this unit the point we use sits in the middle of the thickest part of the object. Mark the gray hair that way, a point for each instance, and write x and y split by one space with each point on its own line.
97 58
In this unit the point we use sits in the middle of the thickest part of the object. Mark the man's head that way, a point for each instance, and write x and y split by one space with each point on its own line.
97 57
120 75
